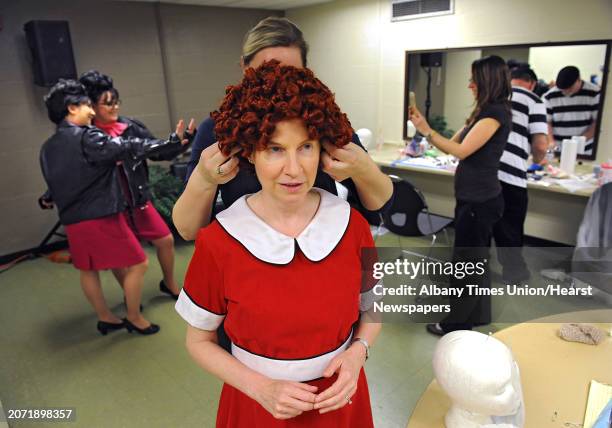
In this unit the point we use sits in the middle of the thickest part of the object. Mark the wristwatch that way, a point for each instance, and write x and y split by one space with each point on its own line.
429 136
365 345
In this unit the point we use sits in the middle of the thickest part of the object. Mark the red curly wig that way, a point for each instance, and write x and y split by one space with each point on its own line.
273 93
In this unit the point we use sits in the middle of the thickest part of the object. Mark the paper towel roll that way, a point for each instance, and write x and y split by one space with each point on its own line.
581 143
569 150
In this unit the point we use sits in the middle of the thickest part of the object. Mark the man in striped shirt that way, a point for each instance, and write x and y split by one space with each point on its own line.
572 107
528 136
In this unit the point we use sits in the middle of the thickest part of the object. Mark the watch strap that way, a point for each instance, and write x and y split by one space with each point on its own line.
365 344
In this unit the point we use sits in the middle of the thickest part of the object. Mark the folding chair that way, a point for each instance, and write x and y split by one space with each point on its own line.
409 215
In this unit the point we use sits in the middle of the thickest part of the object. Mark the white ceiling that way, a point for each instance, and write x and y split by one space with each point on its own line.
250 4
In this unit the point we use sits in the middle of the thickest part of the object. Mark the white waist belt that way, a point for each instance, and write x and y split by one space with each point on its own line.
295 370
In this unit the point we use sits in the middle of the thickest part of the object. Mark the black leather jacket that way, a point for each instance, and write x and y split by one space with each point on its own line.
136 170
79 166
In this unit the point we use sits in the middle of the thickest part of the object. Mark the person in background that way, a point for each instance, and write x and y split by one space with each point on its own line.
210 171
283 266
133 174
78 163
479 201
540 85
572 106
528 136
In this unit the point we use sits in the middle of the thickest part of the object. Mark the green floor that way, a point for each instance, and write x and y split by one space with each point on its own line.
52 356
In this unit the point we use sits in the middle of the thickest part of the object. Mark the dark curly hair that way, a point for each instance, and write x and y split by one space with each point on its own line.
273 93
63 94
97 84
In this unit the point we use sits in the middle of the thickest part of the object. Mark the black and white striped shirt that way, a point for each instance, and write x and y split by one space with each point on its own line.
528 118
571 116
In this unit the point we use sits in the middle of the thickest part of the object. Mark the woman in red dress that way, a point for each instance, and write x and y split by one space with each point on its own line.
283 267
78 164
142 217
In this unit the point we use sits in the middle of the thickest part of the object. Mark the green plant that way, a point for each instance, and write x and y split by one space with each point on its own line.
438 123
165 190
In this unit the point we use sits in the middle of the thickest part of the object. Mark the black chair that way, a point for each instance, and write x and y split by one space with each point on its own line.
409 215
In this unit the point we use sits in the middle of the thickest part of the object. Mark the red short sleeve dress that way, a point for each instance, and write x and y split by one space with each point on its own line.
289 304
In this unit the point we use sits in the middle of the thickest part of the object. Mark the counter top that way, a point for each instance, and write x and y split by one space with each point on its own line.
389 155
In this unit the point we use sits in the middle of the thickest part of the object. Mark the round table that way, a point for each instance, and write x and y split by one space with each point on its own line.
555 374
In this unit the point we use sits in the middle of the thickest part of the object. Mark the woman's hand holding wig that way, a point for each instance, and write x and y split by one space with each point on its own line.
270 94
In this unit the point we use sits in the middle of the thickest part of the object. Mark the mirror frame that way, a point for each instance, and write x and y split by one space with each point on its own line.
604 77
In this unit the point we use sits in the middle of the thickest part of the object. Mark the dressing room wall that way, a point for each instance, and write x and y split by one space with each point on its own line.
168 61
360 53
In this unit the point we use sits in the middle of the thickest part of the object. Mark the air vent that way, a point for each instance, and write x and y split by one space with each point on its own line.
414 9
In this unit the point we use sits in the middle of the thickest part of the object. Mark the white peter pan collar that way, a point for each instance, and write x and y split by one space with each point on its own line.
316 241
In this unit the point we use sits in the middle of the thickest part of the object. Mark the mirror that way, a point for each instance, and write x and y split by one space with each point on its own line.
440 78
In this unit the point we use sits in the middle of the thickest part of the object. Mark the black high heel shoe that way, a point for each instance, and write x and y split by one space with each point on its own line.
104 327
152 329
164 289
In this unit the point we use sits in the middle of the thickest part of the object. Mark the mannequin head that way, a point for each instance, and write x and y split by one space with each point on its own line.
480 376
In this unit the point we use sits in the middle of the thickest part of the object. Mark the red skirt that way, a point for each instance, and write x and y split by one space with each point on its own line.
236 410
103 243
146 223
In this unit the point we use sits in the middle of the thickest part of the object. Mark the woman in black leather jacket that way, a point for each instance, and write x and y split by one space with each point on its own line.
133 175
78 164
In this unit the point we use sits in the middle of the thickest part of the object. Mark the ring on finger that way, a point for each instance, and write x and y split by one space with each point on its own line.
220 171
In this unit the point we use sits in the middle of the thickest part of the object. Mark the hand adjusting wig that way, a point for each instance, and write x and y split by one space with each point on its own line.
273 93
